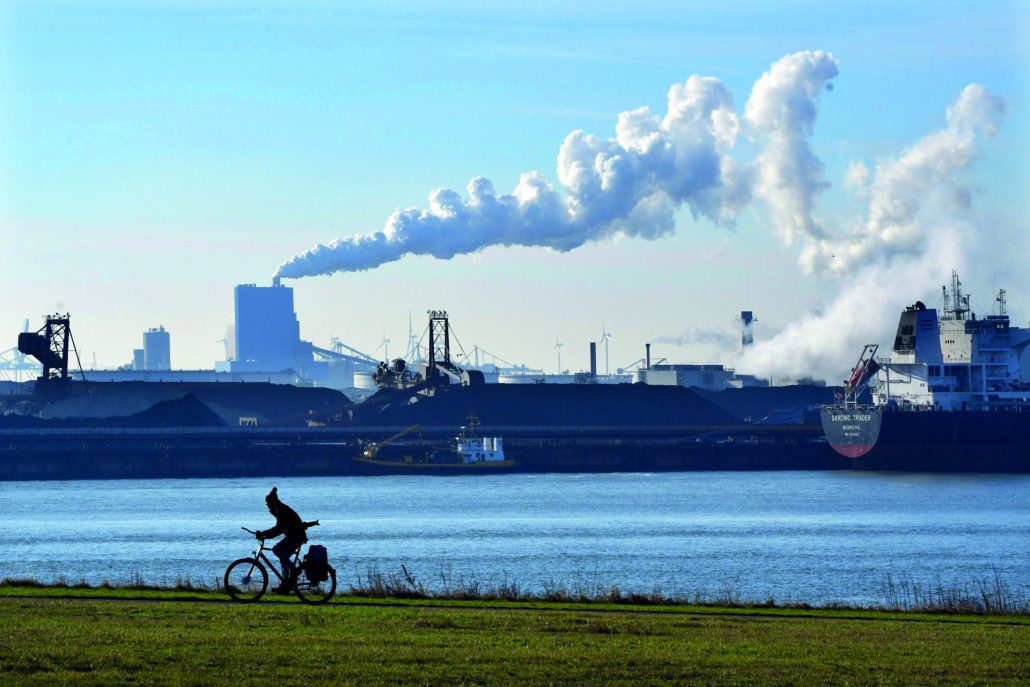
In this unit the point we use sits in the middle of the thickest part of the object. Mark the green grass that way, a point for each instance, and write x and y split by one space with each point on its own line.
68 636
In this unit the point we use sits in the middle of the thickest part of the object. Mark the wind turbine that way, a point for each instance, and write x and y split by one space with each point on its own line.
558 346
412 354
385 345
605 336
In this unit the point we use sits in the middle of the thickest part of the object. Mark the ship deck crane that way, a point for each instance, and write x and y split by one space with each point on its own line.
861 373
372 449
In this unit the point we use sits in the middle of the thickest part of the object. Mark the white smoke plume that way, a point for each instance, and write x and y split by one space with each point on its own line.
782 107
909 193
630 184
911 235
720 338
917 229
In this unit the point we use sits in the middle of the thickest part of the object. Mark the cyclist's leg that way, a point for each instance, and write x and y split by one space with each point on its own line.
284 550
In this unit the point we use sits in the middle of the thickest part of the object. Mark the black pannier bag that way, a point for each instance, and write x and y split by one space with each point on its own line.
316 563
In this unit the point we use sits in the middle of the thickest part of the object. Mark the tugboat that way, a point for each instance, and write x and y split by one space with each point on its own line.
952 397
468 453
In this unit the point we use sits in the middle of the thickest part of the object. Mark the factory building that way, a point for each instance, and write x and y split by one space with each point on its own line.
265 338
156 350
262 344
266 333
710 377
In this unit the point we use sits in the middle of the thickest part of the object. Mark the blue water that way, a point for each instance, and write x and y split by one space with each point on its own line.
803 536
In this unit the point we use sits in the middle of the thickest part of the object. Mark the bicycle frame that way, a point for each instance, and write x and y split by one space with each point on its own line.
273 566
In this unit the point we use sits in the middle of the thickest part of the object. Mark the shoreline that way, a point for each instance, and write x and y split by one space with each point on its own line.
983 600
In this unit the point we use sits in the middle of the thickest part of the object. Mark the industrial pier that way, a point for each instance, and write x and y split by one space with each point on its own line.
104 453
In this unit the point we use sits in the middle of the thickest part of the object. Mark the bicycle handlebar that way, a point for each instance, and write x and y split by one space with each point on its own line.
313 523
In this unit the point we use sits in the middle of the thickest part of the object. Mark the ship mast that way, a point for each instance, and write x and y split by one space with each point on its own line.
957 305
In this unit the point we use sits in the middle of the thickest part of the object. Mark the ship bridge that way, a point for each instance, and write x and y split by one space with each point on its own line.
952 360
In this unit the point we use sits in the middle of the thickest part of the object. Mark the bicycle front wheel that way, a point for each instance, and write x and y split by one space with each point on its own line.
246 580
315 593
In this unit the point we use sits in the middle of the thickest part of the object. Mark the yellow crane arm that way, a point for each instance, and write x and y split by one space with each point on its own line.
373 447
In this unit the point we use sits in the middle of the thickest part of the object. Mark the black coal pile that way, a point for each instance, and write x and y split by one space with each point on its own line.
270 404
188 411
796 404
585 405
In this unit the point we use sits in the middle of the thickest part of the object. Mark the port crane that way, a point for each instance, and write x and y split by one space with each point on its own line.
438 368
14 364
50 346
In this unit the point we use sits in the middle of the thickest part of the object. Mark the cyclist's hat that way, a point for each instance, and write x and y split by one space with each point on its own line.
272 496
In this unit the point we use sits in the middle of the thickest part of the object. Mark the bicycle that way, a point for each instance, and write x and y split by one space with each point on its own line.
246 579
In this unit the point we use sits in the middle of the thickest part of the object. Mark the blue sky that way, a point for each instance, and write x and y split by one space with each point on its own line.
152 155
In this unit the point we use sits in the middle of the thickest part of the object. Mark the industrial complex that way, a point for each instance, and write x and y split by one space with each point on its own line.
263 343
280 405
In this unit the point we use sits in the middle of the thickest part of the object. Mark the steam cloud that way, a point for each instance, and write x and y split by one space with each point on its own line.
782 107
912 234
720 338
917 229
630 184
924 183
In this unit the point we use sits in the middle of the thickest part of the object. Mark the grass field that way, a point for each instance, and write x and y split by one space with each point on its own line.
124 637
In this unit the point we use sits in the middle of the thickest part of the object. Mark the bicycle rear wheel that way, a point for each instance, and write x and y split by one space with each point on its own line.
315 593
246 580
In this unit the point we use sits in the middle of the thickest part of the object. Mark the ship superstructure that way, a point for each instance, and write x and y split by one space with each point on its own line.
953 361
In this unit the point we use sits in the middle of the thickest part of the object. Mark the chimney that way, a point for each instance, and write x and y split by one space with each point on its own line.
747 338
593 360
276 281
648 347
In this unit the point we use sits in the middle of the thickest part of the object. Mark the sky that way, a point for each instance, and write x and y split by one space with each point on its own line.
155 154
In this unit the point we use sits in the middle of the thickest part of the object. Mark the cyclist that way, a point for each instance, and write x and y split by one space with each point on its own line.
287 522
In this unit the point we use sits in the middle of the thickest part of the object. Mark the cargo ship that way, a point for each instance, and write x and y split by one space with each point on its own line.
952 396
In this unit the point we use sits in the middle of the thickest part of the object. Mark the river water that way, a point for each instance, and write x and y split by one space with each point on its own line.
804 536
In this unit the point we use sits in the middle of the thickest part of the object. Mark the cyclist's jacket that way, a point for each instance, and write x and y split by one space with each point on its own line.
286 522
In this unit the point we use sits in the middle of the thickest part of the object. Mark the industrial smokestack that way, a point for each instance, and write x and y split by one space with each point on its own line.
647 346
276 281
746 336
593 360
